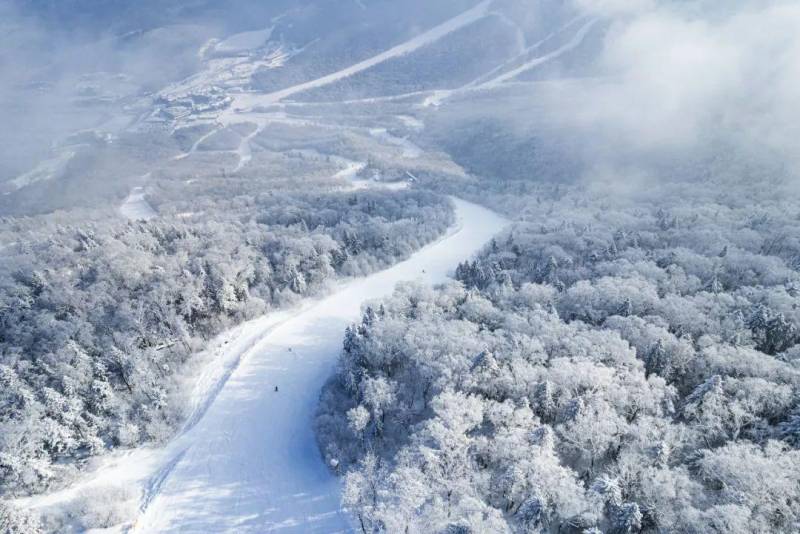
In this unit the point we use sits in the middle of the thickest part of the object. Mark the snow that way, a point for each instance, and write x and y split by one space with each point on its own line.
245 150
411 122
410 150
135 207
351 168
251 463
245 41
492 80
247 459
44 171
519 33
573 43
251 100
436 98
362 184
196 145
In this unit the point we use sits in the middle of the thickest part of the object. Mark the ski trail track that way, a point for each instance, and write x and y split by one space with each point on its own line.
526 51
246 460
251 100
491 80
251 463
573 43
196 145
245 151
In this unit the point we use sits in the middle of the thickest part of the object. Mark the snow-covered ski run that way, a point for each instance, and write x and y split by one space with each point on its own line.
248 101
247 459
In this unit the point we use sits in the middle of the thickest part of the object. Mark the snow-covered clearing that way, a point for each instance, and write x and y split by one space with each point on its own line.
261 121
245 150
411 122
251 100
350 169
196 145
367 183
573 43
135 207
436 98
247 459
44 171
410 150
245 41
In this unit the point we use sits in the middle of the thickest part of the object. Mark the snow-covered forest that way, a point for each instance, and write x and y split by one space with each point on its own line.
568 232
606 366
99 319
626 357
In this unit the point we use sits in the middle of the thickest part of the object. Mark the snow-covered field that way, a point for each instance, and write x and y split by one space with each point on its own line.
135 207
245 41
247 460
410 150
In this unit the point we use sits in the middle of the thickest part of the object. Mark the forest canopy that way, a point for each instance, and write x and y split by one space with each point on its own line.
610 365
98 321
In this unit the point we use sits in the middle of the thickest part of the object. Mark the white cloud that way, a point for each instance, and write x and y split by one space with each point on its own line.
677 73
614 7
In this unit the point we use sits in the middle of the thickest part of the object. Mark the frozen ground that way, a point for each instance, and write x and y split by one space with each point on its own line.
247 459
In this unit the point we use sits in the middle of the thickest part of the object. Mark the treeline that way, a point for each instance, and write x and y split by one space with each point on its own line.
612 364
97 319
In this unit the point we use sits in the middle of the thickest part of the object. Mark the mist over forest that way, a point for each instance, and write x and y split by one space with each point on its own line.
458 266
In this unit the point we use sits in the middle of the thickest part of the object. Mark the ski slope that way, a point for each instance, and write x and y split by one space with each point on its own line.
135 207
572 44
251 463
247 459
247 101
244 42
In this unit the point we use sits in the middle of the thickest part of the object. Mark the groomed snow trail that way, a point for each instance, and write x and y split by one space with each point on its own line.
251 100
251 463
136 207
246 459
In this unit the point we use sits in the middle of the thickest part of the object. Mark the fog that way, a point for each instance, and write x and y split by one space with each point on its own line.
64 72
685 73
674 90
623 357
82 66
655 81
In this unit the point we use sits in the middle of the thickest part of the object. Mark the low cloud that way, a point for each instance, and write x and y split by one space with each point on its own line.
677 75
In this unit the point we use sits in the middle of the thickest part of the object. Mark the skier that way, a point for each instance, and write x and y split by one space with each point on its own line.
276 389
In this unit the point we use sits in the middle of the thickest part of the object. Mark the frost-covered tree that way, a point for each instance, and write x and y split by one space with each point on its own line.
627 367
